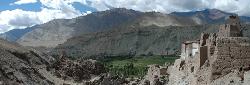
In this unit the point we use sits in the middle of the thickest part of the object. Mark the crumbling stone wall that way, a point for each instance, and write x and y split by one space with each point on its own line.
224 30
189 49
203 50
228 30
203 55
203 39
232 28
211 43
230 53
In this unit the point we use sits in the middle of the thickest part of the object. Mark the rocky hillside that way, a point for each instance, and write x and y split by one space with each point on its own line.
48 34
22 66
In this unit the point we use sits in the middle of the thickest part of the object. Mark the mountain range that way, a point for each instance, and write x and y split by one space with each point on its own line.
121 31
59 30
209 16
15 34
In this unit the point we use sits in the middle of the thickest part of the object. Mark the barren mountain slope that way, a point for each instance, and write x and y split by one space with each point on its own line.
132 41
58 31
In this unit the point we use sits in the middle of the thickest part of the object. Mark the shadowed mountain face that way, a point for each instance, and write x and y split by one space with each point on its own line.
103 21
134 40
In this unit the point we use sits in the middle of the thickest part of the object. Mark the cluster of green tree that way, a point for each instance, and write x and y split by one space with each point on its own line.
128 70
135 66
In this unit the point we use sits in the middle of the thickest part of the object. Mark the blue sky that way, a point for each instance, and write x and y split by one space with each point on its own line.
5 5
19 14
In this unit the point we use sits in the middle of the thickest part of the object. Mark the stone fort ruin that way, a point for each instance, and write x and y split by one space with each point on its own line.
215 59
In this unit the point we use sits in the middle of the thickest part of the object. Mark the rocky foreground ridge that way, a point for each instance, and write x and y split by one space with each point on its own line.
23 66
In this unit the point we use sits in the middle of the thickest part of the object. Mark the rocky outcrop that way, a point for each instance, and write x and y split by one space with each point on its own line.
108 79
77 70
157 75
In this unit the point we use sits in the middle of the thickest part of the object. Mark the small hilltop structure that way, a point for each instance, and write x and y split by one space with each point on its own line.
221 58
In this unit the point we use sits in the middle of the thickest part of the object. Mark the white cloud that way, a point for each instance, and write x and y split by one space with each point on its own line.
51 9
87 12
19 2
17 19
49 14
240 7
167 6
3 28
